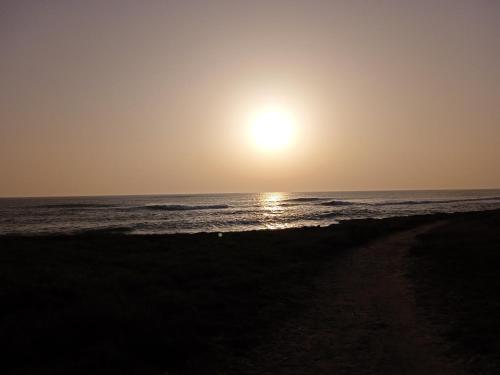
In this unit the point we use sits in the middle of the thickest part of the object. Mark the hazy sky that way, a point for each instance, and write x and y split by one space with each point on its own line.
137 97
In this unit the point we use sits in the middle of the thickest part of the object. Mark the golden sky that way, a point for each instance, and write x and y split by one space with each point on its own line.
139 97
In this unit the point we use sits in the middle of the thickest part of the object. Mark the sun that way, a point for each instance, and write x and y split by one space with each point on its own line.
272 129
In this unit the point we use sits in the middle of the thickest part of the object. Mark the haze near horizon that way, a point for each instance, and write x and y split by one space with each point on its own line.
130 97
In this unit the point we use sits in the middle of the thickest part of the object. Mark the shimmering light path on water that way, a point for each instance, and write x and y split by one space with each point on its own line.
226 212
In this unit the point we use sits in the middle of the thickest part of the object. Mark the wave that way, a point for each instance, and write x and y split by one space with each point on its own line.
337 203
244 222
355 211
181 207
311 199
417 202
326 215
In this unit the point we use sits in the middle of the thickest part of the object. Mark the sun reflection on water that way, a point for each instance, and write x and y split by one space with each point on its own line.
273 209
271 201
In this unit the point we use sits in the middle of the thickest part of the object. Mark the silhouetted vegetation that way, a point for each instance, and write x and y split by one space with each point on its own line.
107 303
456 269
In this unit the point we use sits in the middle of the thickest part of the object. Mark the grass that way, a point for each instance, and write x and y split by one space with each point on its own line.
182 304
456 271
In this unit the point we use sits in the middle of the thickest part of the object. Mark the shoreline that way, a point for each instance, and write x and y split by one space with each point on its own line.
124 231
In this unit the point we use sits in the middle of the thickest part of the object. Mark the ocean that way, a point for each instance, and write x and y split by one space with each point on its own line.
158 214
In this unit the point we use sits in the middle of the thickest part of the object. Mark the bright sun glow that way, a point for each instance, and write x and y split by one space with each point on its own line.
272 128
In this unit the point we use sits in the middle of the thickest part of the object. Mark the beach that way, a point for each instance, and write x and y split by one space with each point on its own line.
368 296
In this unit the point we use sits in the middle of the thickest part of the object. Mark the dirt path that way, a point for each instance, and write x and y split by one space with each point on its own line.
362 321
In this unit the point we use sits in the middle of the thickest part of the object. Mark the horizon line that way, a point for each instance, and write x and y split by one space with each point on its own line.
254 192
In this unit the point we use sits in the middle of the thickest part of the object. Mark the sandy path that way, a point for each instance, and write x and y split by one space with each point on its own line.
362 321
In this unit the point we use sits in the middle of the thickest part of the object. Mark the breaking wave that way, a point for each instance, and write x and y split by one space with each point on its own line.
181 207
312 199
337 203
327 215
417 202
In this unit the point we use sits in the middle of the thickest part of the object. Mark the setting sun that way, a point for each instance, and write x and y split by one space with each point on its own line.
272 128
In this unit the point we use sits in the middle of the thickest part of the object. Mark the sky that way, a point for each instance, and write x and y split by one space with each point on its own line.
152 97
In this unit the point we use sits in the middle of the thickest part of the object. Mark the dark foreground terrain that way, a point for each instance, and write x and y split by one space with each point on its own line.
456 274
288 301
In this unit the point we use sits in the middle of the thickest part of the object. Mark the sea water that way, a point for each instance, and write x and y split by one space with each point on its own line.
156 214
